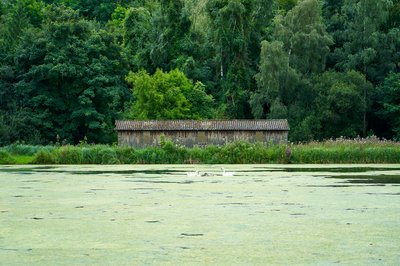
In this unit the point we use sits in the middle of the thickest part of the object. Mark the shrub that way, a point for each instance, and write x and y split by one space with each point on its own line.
24 149
44 157
99 154
173 153
126 155
152 155
5 158
108 156
89 155
69 155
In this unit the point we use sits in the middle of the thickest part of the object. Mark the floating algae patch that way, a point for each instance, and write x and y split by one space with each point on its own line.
17 170
315 168
370 179
184 182
24 170
122 172
125 172
118 215
340 169
86 170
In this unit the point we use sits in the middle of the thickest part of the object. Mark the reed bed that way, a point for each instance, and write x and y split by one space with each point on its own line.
338 151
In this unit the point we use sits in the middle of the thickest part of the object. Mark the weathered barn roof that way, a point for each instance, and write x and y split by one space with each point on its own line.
209 125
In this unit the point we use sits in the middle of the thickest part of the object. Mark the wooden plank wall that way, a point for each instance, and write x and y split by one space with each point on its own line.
142 139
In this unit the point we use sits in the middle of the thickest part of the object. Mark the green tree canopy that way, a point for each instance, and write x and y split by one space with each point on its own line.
276 81
230 33
137 41
71 78
389 99
338 108
366 47
304 35
167 96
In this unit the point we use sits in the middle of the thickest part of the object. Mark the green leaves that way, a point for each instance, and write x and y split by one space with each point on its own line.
167 96
275 81
231 23
341 104
137 28
389 99
305 38
74 82
63 64
366 46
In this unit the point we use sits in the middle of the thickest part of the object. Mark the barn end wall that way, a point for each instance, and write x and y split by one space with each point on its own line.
140 139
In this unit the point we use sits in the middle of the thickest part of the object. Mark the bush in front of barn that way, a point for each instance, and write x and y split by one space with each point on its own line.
69 155
44 157
5 158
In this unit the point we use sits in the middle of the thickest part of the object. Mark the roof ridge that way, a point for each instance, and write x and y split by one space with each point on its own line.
212 124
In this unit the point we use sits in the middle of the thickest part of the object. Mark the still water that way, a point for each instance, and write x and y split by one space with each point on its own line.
158 215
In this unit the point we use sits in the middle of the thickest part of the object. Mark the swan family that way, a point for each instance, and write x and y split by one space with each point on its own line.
224 173
197 173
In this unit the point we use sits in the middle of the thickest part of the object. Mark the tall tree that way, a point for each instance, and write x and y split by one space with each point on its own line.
99 10
167 95
171 25
389 101
276 82
368 44
286 5
336 107
341 105
71 77
366 47
17 17
261 20
299 51
394 15
230 32
304 34
137 41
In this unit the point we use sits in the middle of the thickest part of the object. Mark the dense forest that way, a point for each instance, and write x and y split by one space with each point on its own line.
69 68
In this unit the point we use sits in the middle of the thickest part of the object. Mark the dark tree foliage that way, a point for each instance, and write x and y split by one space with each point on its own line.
286 5
231 24
169 35
137 41
99 10
389 101
367 45
70 76
341 104
330 67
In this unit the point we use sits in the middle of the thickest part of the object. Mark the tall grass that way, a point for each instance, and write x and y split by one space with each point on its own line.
5 158
360 150
25 149
370 150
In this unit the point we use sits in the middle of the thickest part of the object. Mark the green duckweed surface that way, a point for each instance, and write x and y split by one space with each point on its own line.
158 215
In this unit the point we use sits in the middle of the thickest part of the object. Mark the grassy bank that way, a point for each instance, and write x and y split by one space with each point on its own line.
369 150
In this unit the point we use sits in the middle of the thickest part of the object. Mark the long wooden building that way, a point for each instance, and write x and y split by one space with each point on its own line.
191 133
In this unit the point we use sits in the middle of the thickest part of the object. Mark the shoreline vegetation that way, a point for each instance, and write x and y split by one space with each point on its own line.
346 151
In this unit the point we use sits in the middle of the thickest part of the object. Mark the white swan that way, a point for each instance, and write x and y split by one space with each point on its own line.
224 173
196 173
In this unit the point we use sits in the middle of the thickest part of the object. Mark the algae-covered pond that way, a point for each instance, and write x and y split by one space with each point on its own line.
152 215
